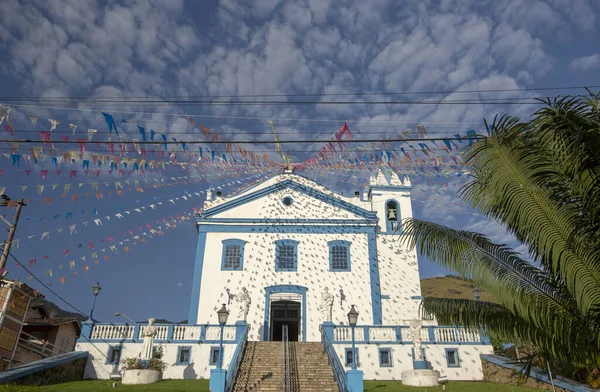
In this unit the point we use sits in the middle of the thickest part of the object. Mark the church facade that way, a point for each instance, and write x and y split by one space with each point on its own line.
290 252
302 254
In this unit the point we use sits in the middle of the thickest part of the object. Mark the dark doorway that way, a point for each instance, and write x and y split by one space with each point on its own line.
285 313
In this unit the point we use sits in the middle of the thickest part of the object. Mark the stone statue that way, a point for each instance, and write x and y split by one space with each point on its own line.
415 332
326 304
244 301
149 334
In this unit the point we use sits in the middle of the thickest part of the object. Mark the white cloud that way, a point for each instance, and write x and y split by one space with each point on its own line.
585 63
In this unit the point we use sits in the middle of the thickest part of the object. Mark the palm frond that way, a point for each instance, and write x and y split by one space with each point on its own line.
495 319
511 171
517 284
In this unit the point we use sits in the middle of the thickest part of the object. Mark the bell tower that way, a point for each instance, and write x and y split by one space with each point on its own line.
390 198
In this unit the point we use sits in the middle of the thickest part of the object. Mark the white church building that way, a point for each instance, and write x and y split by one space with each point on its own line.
290 252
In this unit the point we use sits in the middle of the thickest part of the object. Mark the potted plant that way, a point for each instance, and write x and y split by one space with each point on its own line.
137 371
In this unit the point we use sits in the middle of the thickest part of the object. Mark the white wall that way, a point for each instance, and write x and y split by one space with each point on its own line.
368 355
470 363
259 272
400 280
97 368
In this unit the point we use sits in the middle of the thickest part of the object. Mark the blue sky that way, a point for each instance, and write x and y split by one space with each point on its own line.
103 49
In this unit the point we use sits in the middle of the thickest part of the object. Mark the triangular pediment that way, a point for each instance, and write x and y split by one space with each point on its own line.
290 200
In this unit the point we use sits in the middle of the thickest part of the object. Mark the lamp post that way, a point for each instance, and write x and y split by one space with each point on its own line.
95 290
352 319
477 293
222 315
124 315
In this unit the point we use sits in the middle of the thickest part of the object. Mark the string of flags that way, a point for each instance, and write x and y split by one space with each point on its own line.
109 247
403 155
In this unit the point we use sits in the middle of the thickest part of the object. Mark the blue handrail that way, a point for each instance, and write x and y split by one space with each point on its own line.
338 371
234 365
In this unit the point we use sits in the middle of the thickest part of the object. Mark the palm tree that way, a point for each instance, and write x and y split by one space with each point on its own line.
541 180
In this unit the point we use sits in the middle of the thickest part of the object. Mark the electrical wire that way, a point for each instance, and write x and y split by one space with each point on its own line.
250 142
43 284
190 114
159 103
342 94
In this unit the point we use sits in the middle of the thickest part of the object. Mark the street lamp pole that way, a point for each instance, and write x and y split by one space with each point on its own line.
124 315
222 315
95 290
352 319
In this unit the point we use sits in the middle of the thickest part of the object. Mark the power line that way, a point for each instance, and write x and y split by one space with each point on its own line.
325 94
251 142
43 284
202 116
158 103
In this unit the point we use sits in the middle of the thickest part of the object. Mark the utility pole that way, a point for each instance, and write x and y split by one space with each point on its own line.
7 202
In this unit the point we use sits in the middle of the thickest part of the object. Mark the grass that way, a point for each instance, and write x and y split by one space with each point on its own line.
202 386
396 386
106 385
452 288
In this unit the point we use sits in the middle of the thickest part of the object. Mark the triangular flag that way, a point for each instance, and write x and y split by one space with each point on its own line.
33 119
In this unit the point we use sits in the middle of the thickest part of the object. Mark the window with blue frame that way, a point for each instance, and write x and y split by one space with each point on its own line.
214 356
233 255
452 359
339 255
385 357
286 255
114 355
348 359
183 355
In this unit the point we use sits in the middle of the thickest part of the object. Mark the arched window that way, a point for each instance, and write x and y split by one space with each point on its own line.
392 216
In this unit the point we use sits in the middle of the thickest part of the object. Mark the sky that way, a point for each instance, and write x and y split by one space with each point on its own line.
433 52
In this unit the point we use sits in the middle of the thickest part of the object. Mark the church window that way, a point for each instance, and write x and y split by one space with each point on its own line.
183 355
452 359
286 255
233 255
287 201
114 355
392 216
348 359
385 357
339 255
214 355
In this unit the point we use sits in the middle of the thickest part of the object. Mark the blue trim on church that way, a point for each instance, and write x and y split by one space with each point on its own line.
195 299
289 229
284 288
374 275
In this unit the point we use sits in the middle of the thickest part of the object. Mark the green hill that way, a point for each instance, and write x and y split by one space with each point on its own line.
451 287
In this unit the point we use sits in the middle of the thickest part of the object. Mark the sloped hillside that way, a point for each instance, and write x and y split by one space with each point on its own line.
451 287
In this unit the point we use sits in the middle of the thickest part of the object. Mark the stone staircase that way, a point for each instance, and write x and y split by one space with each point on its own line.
261 368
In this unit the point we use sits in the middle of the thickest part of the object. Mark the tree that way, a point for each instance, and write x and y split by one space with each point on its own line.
541 180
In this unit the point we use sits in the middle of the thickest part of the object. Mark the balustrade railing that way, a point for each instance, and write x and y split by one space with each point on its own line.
338 370
234 365
399 334
187 332
164 333
285 373
112 331
341 334
213 332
